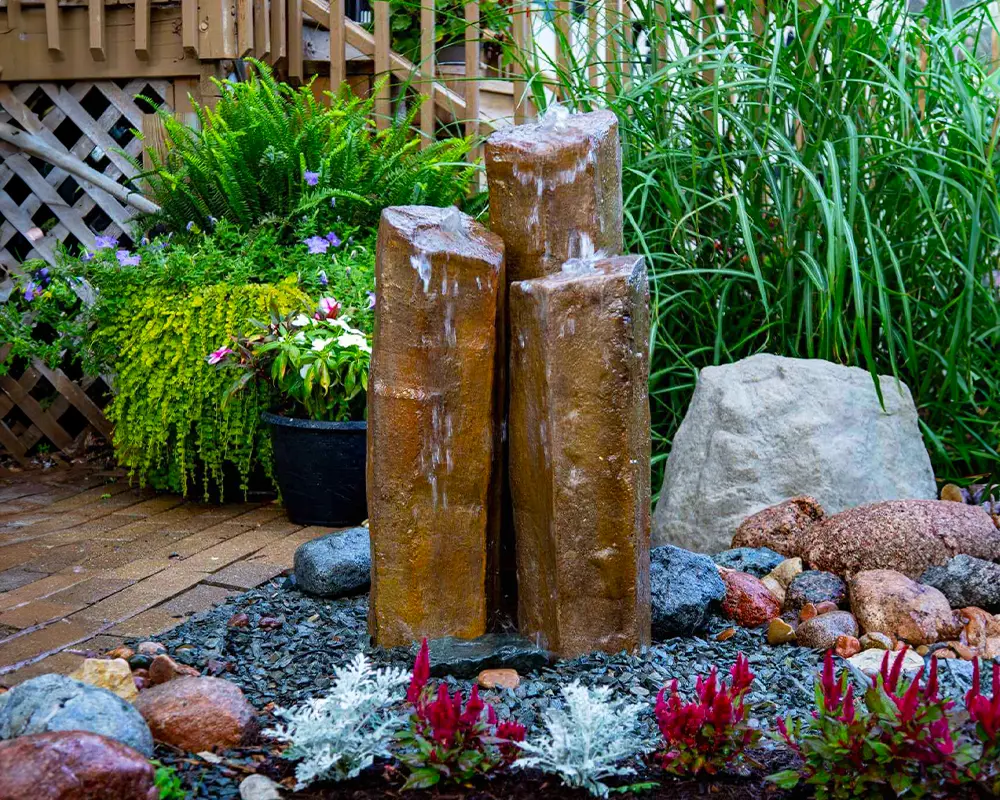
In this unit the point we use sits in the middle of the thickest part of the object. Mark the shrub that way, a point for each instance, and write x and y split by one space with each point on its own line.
271 153
586 740
826 188
904 744
337 736
172 427
450 739
710 734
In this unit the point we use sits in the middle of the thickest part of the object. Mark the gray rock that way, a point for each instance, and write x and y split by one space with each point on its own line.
814 586
466 658
758 561
336 565
820 633
967 581
57 703
685 586
768 428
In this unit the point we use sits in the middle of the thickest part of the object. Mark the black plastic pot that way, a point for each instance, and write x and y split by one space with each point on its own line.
320 469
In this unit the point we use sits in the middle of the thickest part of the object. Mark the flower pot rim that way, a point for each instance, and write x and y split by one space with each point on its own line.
312 424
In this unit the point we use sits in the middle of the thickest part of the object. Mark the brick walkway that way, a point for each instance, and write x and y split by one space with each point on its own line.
85 561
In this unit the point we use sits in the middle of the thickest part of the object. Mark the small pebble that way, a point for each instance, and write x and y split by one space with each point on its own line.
498 679
726 635
780 632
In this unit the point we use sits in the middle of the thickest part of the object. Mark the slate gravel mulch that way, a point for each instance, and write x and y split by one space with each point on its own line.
291 643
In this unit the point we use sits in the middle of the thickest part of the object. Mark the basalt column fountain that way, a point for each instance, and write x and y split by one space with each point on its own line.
580 455
433 425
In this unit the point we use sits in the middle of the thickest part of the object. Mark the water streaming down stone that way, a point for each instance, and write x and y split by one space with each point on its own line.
580 455
433 425
556 190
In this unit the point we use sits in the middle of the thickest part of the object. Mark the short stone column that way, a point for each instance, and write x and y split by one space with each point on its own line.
556 190
433 425
580 455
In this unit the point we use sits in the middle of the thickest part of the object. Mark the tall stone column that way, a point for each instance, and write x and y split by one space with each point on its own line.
433 425
556 190
580 455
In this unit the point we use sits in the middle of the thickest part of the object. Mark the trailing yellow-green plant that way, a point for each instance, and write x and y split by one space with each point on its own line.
174 427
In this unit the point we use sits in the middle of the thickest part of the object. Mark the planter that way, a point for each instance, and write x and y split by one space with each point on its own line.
320 469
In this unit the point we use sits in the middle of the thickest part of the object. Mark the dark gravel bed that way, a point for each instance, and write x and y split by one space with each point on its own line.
291 643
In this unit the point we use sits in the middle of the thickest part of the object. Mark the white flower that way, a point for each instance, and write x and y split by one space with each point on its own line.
320 344
301 320
303 371
358 340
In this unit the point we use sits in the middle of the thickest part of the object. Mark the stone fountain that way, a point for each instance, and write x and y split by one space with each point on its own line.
563 368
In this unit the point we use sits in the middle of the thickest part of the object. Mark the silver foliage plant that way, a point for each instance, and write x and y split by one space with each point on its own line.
337 736
586 740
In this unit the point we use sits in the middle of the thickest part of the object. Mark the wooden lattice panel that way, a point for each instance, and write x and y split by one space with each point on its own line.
95 122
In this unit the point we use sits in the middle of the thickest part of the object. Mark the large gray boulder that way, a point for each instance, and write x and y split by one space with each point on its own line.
335 565
768 428
57 703
685 587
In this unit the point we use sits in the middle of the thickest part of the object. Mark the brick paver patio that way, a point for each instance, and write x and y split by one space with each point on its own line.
86 560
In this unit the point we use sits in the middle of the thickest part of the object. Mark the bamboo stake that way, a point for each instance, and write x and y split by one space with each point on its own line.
428 36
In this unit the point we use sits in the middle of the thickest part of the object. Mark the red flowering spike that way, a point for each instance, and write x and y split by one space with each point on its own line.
908 704
996 679
740 675
421 673
708 689
931 690
847 716
473 709
883 671
974 689
897 668
831 686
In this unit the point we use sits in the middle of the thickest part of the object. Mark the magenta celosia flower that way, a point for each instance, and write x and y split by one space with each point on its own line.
421 674
985 711
218 355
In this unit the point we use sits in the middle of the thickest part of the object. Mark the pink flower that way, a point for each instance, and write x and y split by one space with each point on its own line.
218 355
329 308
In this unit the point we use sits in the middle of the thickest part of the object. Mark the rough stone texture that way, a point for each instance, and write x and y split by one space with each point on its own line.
336 565
847 646
748 601
433 426
758 561
498 679
579 456
814 586
877 641
888 602
556 191
780 632
981 631
113 674
164 669
903 535
774 588
197 714
684 588
73 765
786 571
780 527
870 662
821 633
466 658
967 581
768 428
58 703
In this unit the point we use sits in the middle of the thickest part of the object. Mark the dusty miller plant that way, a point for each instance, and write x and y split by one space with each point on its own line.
337 736
585 742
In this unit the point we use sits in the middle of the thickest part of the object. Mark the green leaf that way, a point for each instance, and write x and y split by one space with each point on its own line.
422 778
786 779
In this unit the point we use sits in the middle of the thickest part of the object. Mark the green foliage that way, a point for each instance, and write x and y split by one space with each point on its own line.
316 366
450 27
270 153
168 783
172 428
813 192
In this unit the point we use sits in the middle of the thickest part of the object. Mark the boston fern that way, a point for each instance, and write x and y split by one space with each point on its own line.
270 152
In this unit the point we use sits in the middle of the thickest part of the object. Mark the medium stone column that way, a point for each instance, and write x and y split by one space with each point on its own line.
556 190
433 425
580 455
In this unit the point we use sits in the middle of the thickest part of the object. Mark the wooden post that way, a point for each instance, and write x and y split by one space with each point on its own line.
14 14
472 73
279 38
245 28
522 37
428 31
613 30
153 138
142 29
338 51
564 41
593 42
295 67
189 26
52 25
95 11
262 29
383 100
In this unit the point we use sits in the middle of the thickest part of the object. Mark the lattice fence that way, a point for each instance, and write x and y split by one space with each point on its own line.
42 206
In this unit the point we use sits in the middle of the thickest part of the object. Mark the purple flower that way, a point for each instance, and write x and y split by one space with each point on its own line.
218 355
31 291
105 243
190 226
212 220
333 239
317 244
87 256
323 280
371 299
125 259
311 178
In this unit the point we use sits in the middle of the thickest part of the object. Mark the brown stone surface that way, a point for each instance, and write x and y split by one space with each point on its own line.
903 535
73 765
780 527
877 641
579 456
197 714
556 191
888 602
748 601
164 669
433 430
113 674
780 632
821 633
499 678
847 646
786 571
